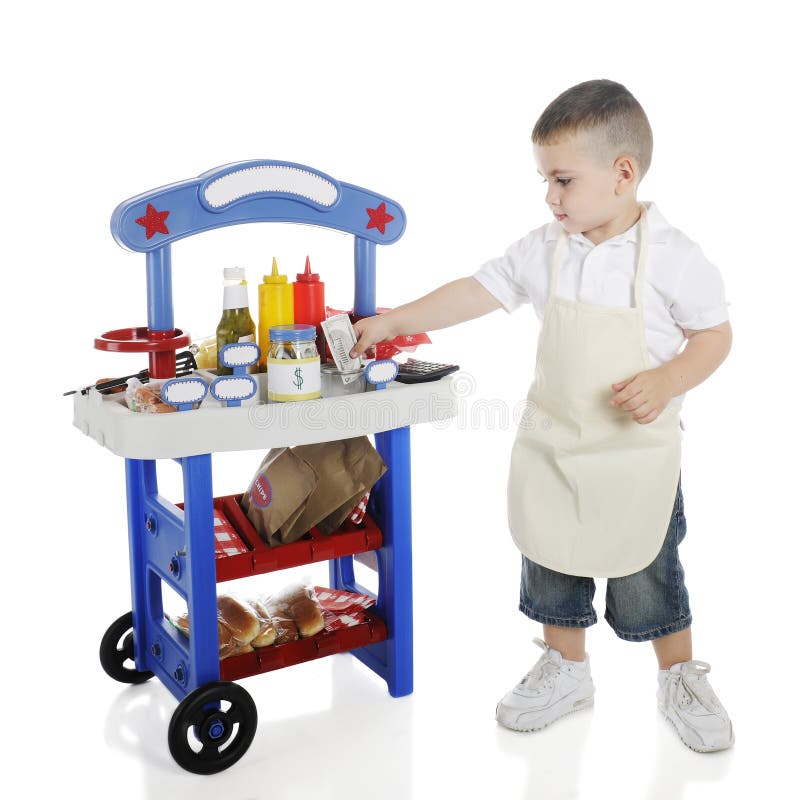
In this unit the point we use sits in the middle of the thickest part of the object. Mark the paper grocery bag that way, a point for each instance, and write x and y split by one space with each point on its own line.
334 520
277 494
346 469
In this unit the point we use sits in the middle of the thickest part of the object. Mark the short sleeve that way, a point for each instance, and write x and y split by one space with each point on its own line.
699 300
500 276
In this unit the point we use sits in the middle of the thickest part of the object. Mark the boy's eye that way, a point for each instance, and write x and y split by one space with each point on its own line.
562 181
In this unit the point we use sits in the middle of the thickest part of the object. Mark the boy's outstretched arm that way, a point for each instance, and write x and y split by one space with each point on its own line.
457 301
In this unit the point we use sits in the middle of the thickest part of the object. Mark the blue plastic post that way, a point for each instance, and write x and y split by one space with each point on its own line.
200 565
177 548
364 301
393 659
159 290
136 492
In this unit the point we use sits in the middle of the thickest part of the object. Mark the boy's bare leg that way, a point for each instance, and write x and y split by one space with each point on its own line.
673 647
570 642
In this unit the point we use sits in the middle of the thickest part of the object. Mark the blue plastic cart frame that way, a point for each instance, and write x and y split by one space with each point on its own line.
160 533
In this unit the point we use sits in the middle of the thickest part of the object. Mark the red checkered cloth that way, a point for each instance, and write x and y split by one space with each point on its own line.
342 609
361 509
226 540
335 622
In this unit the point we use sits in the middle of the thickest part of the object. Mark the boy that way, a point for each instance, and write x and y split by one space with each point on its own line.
594 486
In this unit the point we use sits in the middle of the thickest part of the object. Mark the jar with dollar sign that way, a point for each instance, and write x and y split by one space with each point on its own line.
292 363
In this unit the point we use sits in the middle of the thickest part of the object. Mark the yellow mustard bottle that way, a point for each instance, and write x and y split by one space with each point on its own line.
275 307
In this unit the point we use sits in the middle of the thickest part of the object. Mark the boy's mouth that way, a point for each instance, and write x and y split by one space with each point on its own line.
559 217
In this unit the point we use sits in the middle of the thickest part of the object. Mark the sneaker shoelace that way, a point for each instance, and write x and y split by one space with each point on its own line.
542 672
699 690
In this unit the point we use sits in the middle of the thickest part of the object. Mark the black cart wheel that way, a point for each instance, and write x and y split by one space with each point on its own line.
116 652
212 727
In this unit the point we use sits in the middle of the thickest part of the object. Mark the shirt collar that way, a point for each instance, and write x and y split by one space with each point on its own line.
657 225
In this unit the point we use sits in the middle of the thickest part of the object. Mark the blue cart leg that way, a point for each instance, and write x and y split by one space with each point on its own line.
139 478
201 570
175 547
393 659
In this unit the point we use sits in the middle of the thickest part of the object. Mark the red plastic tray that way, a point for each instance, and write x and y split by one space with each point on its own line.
350 539
267 659
142 340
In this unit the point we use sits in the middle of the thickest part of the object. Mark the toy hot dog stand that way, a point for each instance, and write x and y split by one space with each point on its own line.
174 545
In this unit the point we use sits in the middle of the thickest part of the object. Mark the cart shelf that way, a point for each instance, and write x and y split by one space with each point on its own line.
214 428
326 643
349 539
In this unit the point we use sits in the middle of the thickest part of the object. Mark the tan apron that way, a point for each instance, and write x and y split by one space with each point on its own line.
590 490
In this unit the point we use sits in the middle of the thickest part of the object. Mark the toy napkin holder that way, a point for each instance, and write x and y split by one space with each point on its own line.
379 373
183 393
232 389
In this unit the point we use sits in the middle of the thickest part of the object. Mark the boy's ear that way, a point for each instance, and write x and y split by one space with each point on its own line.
627 171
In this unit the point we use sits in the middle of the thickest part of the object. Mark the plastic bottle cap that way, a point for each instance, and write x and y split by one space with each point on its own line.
233 273
308 276
275 278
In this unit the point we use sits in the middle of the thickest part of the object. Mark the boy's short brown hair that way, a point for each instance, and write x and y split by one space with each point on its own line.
604 108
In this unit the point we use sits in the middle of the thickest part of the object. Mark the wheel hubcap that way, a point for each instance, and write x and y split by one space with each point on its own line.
215 728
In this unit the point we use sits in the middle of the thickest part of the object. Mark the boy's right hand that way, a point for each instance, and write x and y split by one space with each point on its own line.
371 330
457 301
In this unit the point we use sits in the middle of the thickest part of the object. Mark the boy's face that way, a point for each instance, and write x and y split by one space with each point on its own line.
585 193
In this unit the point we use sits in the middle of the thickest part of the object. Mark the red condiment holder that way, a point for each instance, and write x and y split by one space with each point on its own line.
159 345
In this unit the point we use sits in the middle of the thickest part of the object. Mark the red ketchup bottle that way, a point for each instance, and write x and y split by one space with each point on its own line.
309 303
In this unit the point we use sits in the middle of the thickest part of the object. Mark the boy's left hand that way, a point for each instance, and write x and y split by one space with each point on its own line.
645 395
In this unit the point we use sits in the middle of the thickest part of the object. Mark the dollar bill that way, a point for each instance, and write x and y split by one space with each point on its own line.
341 338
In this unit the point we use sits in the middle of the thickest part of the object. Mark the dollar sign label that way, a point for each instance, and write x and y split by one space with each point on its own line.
298 378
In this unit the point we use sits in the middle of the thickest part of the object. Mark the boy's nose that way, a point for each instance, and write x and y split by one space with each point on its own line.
552 198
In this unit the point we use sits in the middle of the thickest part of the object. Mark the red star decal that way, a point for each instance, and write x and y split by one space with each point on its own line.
153 221
378 218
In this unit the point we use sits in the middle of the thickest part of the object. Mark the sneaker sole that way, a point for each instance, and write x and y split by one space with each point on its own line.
691 746
576 706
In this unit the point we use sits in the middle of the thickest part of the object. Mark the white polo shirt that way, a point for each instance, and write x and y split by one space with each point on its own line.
682 288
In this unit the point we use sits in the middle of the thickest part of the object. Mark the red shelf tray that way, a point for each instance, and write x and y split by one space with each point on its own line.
350 539
267 659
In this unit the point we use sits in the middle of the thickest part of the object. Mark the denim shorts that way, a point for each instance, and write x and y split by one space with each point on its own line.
645 605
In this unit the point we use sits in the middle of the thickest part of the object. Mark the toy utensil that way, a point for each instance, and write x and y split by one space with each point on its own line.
184 365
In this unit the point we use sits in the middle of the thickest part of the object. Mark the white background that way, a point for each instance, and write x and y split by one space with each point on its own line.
431 104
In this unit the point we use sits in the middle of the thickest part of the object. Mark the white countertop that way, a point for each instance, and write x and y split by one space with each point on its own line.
214 428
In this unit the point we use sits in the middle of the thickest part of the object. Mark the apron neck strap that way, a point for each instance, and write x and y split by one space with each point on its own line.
643 244
640 263
560 244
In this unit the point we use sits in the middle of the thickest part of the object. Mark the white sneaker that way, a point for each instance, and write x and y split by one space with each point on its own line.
686 699
553 688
